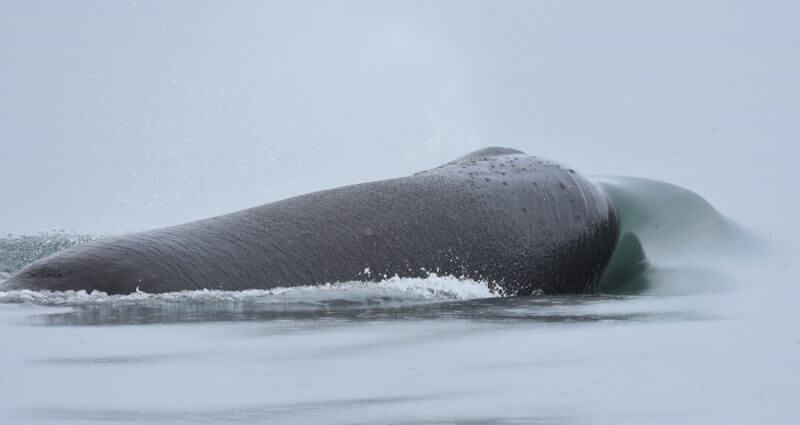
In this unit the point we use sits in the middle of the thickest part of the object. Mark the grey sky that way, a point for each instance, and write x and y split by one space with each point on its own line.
119 116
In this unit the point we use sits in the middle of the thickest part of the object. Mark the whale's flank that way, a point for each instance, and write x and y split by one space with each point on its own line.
518 222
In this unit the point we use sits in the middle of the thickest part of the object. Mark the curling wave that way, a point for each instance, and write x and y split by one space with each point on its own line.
671 240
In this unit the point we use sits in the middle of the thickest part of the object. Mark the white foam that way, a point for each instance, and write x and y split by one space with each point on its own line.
433 288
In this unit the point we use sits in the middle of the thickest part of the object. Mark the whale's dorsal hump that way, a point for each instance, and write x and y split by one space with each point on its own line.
486 152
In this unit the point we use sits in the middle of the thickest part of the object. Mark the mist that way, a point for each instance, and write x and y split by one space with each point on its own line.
122 116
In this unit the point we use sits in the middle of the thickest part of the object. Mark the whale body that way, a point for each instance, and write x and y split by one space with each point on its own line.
521 223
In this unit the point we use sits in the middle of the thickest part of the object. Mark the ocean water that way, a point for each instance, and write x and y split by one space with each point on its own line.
695 324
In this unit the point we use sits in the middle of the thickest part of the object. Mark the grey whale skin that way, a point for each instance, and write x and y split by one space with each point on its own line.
518 222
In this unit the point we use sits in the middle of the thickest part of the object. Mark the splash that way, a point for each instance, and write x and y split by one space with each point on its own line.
394 290
17 252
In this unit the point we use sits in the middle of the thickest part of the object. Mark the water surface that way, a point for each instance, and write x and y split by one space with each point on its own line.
704 334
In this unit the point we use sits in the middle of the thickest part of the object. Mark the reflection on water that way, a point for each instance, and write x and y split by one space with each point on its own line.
535 309
274 413
533 360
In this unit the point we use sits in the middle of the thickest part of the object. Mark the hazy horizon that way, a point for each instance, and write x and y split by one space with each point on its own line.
124 116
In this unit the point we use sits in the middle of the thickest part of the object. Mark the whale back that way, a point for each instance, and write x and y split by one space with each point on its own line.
518 222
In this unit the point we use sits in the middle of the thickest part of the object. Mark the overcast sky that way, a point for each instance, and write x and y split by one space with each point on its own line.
119 116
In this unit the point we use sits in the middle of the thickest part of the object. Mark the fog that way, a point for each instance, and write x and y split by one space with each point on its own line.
120 116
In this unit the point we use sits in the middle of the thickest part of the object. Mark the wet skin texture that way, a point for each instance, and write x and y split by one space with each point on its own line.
519 222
